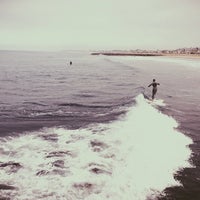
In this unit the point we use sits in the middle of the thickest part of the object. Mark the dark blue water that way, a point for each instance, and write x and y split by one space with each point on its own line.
53 112
43 88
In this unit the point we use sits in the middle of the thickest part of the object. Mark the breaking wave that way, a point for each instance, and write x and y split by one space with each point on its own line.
134 157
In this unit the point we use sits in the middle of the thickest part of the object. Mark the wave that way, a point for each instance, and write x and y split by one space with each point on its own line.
134 157
97 106
82 105
34 103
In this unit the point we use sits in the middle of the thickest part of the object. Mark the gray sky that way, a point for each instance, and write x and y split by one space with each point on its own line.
99 24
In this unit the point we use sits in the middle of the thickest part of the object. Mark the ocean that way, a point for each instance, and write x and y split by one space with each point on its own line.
89 131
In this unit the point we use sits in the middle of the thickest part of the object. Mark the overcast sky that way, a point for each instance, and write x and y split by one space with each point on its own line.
99 24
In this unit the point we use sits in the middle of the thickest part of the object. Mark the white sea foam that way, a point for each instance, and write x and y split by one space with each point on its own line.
132 158
188 62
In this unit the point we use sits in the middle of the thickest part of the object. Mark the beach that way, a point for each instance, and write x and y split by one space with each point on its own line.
192 56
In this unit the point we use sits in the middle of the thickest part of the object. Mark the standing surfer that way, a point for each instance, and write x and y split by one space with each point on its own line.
154 90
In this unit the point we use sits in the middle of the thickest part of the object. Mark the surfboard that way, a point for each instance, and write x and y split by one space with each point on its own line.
156 102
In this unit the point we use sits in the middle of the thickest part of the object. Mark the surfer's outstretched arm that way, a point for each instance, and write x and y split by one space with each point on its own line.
150 85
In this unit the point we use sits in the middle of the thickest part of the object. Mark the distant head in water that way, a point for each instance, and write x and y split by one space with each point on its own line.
154 80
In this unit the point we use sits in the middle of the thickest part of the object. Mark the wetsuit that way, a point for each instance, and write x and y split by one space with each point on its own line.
154 90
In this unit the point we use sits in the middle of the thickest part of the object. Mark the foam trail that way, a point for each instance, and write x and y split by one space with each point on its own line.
132 158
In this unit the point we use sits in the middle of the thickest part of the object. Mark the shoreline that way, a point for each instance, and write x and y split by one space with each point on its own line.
195 56
125 54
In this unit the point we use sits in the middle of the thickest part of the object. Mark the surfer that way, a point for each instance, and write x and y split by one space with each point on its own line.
154 90
70 63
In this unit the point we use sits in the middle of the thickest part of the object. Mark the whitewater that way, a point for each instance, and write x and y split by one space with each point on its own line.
132 158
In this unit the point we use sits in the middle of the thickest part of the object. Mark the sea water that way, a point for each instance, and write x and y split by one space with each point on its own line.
86 131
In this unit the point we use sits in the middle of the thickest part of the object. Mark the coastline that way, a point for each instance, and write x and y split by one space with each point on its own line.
121 53
195 56
125 54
